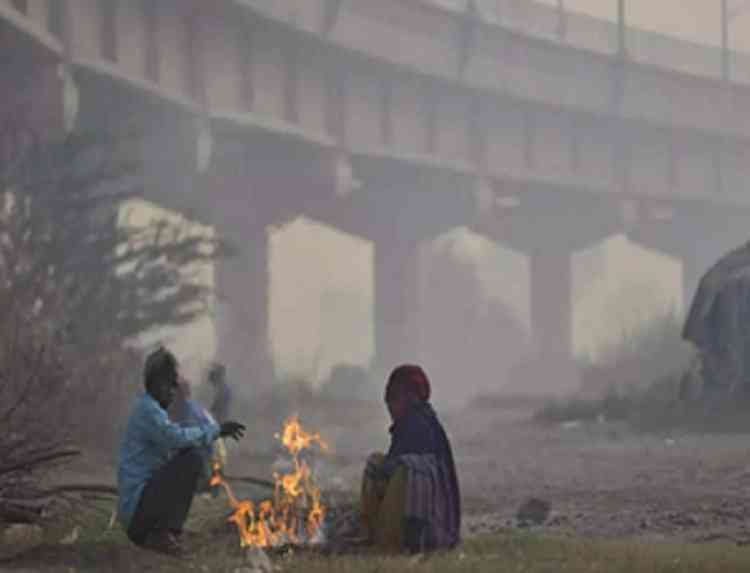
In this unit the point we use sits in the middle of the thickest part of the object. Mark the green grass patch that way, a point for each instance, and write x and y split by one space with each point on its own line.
533 554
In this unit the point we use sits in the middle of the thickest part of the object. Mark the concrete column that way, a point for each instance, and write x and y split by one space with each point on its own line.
396 297
242 280
551 303
562 21
241 319
725 70
551 321
622 28
31 89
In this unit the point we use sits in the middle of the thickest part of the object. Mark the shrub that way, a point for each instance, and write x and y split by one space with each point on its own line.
651 351
640 380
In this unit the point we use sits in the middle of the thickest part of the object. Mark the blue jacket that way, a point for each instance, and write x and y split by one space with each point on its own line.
150 441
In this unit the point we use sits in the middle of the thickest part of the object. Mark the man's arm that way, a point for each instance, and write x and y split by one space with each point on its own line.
170 436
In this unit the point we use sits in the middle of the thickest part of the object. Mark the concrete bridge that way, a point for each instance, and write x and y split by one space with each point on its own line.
395 121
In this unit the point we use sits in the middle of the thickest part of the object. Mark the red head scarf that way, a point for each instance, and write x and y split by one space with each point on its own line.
408 379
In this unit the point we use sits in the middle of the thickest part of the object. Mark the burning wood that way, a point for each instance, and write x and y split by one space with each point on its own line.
296 513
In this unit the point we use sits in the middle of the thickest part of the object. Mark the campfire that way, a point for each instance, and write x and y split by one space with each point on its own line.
295 514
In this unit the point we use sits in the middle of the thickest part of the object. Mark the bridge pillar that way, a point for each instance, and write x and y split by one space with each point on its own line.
242 279
396 305
551 303
241 284
31 88
552 368
549 228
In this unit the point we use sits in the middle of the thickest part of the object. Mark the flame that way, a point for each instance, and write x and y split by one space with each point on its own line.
281 520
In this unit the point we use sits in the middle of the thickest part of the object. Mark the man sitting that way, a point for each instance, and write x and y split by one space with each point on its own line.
410 496
160 462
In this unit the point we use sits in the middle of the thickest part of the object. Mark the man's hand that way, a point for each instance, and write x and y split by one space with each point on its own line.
231 429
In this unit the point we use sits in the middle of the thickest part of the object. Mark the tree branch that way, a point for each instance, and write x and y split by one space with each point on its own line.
39 459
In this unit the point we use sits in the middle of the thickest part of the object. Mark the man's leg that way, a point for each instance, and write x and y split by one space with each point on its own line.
166 499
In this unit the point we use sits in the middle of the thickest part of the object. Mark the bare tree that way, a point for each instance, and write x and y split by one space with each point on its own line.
76 286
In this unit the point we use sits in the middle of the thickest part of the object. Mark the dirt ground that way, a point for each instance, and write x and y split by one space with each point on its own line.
602 480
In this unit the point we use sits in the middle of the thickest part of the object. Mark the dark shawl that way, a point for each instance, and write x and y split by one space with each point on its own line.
419 442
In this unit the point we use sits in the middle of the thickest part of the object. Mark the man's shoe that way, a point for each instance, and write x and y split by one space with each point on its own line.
163 541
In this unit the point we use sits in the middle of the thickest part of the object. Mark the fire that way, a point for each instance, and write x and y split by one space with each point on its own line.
283 519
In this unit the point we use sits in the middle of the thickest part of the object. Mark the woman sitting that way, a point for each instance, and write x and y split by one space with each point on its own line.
410 496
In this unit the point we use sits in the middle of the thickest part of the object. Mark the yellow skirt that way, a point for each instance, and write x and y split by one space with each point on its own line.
383 506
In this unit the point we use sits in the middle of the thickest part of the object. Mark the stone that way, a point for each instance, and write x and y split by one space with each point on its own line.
533 511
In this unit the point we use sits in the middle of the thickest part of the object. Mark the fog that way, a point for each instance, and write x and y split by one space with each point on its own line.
521 196
321 291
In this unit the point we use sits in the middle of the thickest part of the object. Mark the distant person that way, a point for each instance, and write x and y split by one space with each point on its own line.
410 496
188 413
160 462
217 377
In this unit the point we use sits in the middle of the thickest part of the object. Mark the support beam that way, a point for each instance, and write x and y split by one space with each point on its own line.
725 71
291 79
478 132
529 138
31 91
331 10
552 369
196 56
431 102
396 302
151 16
242 317
622 29
386 118
336 102
468 23
551 304
109 32
562 21
246 47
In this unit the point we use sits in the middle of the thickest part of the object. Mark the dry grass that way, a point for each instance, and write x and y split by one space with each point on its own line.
215 549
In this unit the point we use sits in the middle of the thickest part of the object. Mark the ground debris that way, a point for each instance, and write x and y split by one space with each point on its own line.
19 538
258 561
533 511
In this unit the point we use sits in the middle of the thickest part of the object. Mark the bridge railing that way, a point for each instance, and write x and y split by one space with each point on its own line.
580 30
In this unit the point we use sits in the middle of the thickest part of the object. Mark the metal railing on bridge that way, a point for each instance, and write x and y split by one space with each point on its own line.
595 34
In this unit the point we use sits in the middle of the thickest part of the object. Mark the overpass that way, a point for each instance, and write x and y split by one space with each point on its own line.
395 121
